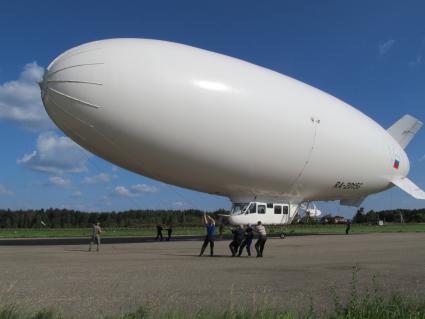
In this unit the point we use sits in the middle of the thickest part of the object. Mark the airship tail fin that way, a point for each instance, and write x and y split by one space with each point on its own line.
405 129
409 187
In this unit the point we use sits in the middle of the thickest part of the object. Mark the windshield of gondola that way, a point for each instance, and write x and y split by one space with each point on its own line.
239 208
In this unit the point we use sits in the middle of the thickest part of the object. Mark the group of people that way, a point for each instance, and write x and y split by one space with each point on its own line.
241 238
159 230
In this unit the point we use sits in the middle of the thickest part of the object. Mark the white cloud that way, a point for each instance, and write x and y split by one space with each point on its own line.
56 154
143 188
135 190
5 191
123 191
59 181
385 47
77 194
20 100
101 178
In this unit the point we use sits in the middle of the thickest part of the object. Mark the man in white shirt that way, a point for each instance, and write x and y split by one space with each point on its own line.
262 238
96 236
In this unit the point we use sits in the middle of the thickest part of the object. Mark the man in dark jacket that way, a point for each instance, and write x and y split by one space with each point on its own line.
159 232
247 241
347 229
238 235
169 232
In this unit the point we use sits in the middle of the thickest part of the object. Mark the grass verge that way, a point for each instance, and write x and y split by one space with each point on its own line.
369 305
197 231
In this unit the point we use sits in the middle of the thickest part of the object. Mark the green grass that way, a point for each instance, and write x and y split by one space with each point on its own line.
84 232
369 305
372 305
15 312
355 229
151 231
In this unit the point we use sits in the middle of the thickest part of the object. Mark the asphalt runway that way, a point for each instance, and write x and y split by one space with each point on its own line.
293 272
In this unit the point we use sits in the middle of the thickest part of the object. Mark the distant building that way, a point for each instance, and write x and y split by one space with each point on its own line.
340 220
329 219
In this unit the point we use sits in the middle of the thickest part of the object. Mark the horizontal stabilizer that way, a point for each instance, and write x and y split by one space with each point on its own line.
352 201
409 187
404 129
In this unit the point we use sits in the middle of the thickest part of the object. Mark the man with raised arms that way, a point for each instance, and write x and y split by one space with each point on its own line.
209 223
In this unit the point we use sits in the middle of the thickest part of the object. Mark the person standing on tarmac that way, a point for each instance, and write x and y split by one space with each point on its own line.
209 223
247 241
237 239
169 232
96 236
262 238
347 230
159 233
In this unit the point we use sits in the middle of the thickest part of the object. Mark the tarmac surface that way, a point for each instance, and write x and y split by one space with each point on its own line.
293 273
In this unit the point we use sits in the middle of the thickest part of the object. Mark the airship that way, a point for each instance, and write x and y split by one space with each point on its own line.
216 124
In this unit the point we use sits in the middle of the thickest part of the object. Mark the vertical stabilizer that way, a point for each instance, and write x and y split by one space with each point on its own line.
405 129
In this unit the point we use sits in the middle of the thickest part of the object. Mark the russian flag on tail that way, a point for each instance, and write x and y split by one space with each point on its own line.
396 163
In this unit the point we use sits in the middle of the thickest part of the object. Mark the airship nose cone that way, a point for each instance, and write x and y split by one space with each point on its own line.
71 88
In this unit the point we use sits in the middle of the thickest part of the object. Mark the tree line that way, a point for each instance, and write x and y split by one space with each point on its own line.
65 218
390 216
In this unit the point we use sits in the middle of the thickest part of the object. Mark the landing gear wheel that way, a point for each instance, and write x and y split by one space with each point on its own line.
282 236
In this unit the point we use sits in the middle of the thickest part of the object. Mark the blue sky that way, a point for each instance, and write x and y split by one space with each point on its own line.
370 54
